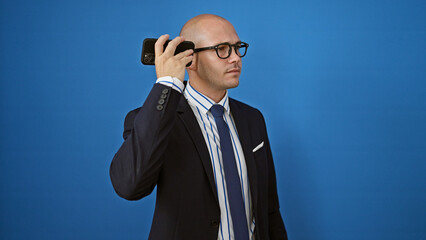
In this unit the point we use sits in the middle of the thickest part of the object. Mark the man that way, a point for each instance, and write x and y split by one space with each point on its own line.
208 155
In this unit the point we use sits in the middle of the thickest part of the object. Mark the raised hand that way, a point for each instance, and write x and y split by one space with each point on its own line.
168 64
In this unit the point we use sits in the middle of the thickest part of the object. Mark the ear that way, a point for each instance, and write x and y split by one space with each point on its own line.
193 65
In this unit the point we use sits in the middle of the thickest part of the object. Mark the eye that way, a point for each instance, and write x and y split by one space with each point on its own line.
222 47
223 50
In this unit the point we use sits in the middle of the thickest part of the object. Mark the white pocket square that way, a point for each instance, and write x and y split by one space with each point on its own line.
258 147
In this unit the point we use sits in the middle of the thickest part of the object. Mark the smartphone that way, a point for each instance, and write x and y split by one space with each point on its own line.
148 50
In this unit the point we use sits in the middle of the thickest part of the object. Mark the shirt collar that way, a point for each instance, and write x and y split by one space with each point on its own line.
201 101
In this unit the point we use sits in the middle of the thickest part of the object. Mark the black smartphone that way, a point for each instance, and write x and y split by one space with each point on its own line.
148 50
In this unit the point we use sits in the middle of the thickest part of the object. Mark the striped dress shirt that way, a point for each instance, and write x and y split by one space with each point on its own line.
200 105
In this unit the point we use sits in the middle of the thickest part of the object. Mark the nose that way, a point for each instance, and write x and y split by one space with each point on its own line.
234 57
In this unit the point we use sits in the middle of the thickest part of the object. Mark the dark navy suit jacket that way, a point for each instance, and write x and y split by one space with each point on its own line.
165 147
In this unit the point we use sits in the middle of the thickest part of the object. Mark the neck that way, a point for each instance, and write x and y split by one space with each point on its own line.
215 94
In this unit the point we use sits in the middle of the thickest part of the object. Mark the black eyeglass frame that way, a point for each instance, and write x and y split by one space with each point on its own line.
216 47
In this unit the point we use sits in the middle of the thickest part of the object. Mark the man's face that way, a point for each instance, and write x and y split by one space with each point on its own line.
219 74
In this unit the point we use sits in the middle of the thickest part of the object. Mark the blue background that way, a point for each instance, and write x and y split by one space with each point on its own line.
341 84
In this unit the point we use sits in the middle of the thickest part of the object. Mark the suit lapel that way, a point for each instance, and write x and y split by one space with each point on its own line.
243 129
187 116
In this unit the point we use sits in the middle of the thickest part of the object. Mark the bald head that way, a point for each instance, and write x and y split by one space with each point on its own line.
202 28
208 73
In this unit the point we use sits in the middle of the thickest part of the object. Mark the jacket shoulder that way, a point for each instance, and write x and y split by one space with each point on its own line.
244 107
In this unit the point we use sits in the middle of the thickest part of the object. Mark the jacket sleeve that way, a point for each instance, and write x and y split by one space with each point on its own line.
137 164
277 229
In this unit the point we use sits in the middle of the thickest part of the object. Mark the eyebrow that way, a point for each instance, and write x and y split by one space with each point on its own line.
228 43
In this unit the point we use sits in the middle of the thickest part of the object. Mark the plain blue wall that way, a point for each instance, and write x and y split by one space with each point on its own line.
341 84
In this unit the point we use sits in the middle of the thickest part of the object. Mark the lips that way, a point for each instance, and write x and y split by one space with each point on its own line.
234 70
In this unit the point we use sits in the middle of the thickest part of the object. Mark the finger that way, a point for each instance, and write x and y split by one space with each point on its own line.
159 45
184 54
187 59
171 47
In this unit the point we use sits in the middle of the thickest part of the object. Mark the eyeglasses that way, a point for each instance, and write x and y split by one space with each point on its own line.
224 50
